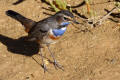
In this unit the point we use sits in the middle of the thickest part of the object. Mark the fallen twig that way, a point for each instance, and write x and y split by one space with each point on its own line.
104 17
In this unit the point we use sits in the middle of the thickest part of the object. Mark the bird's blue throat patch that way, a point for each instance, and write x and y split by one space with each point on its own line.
65 24
60 32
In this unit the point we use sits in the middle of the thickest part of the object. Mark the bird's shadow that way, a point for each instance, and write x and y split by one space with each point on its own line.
20 46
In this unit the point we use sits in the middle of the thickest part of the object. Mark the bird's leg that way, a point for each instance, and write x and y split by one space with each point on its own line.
55 62
43 63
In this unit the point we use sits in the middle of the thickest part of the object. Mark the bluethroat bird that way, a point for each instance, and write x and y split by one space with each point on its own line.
46 31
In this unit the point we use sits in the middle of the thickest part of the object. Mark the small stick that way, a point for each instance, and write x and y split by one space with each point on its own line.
105 17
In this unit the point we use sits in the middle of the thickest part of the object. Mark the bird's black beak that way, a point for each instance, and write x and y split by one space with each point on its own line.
73 20
76 22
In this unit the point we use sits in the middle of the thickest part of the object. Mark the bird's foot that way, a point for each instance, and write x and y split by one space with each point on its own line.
44 67
57 65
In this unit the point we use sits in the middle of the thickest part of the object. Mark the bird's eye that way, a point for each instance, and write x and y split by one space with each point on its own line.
65 18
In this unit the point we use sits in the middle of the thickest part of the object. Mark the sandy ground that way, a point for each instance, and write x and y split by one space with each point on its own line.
91 55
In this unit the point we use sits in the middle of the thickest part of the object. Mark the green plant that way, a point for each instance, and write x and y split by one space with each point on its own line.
88 6
117 4
58 5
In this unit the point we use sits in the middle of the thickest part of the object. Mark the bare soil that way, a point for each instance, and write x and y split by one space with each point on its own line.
90 55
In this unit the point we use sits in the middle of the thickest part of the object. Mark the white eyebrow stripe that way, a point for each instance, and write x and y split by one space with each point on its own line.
68 17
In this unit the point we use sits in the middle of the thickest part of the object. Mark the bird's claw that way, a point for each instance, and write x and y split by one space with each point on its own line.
57 65
45 68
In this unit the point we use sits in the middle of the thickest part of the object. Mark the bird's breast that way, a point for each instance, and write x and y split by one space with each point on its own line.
58 32
55 34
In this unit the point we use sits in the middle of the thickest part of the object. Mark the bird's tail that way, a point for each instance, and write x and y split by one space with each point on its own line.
28 23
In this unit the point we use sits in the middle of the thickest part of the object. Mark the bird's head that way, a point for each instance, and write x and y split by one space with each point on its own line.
65 16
